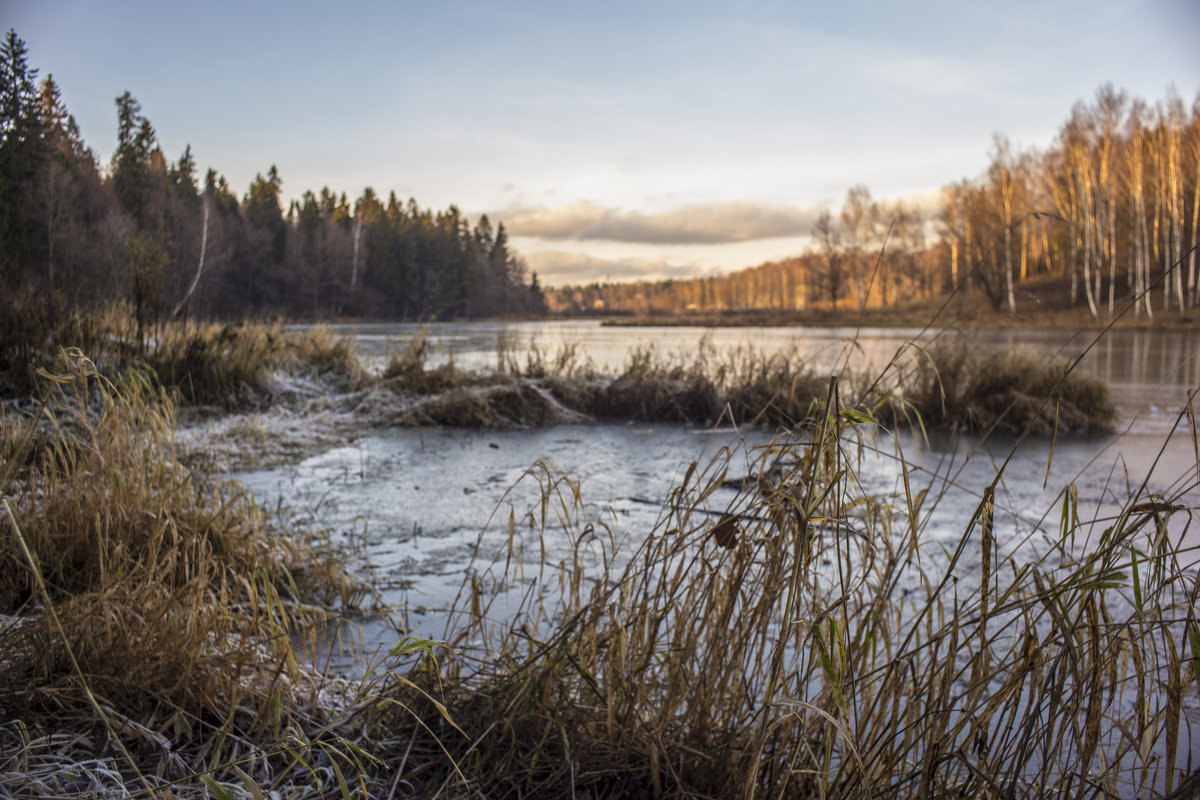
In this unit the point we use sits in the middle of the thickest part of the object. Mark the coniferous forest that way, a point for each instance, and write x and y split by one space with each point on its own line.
152 230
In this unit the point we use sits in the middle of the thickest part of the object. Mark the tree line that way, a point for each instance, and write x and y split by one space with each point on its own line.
171 242
1111 210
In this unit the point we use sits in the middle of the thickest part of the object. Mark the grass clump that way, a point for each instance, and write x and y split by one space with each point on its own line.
807 638
231 366
652 388
955 383
226 366
546 388
139 598
497 405
778 389
322 352
746 386
408 372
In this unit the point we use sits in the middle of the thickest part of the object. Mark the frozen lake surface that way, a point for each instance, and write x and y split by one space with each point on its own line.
418 501
430 510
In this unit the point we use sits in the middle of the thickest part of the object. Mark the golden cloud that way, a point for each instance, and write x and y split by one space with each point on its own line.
715 223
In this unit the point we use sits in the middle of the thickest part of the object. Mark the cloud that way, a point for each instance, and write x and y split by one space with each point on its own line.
714 223
560 268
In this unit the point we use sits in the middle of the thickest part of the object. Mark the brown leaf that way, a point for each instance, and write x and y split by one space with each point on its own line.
725 532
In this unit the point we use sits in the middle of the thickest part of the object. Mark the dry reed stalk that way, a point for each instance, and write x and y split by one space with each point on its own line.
757 649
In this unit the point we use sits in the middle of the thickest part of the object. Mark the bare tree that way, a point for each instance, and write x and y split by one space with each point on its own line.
829 277
956 226
1135 172
1003 183
1193 141
357 238
858 223
55 197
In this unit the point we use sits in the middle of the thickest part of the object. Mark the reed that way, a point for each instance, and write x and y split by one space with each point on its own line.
808 639
956 383
952 383
543 387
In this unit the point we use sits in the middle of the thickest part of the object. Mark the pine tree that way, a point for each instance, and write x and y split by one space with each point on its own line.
59 129
130 165
21 151
183 175
263 210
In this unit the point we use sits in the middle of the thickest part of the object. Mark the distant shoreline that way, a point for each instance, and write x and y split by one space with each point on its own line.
872 318
892 319
1039 306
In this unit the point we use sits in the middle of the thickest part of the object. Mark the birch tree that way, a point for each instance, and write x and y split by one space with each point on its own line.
857 224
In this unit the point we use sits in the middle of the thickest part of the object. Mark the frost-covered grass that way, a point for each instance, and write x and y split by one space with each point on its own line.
159 617
226 366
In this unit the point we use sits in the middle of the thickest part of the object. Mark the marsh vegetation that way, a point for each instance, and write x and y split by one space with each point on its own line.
783 624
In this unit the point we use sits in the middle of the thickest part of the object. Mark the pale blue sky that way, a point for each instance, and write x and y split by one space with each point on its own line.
635 139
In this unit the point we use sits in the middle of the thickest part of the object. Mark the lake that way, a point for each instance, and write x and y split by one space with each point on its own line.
425 509
418 501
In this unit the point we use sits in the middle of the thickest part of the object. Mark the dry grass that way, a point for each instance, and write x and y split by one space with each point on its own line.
957 383
32 329
204 364
949 384
408 370
450 396
546 387
146 609
805 640
230 366
746 386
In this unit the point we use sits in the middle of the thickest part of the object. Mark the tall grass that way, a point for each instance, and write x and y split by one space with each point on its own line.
148 602
950 383
227 366
955 382
231 366
32 329
808 639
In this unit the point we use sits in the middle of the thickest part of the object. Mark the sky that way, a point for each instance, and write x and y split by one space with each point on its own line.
615 140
